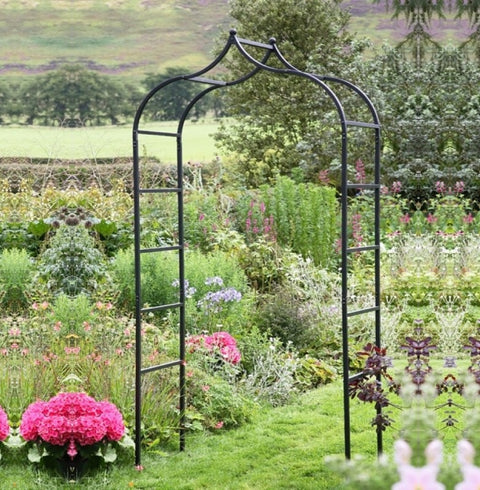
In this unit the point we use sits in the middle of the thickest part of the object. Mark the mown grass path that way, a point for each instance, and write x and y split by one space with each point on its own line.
282 448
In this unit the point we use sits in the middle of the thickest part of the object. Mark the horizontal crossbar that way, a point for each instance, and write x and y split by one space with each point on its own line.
160 307
362 124
362 249
365 310
160 366
161 190
354 377
158 133
208 80
248 42
160 249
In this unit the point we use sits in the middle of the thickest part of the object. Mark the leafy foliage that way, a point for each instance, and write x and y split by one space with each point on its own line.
72 264
272 114
169 103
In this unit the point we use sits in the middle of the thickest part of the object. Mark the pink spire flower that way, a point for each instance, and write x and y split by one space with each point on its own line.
418 478
471 473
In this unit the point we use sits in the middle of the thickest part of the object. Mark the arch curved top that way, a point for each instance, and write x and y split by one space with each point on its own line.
258 65
270 51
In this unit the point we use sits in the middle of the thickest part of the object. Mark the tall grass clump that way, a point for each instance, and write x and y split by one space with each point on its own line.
15 274
305 217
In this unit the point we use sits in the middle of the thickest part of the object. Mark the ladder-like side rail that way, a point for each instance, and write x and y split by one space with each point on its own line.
348 252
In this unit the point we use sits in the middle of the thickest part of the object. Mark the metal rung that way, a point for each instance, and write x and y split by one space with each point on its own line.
158 133
366 310
248 42
354 377
208 80
362 124
160 307
363 186
160 249
160 190
362 249
160 366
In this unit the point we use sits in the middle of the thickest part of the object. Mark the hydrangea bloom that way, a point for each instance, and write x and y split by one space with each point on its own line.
73 419
4 427
219 342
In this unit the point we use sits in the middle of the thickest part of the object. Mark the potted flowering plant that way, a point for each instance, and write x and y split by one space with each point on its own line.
72 431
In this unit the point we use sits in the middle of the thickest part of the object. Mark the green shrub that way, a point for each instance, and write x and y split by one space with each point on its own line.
72 264
123 275
15 275
160 273
72 312
203 218
272 377
264 264
219 403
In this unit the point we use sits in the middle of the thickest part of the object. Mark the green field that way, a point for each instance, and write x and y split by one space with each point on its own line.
106 142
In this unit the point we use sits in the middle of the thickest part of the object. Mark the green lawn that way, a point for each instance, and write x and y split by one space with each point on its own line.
105 142
282 448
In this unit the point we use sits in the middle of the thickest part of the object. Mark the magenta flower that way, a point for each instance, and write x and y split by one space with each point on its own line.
405 218
440 187
396 187
221 343
468 219
73 419
459 187
4 427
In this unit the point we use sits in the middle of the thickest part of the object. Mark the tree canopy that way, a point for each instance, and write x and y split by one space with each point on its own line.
74 95
273 113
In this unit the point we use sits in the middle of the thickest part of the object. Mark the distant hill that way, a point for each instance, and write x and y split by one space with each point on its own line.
134 37
371 20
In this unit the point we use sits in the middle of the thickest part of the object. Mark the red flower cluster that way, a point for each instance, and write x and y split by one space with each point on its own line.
73 419
219 342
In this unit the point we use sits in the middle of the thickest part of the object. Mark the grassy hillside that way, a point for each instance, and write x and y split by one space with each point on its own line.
371 20
129 37
134 37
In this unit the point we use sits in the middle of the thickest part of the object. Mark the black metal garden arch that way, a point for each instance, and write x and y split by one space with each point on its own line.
271 52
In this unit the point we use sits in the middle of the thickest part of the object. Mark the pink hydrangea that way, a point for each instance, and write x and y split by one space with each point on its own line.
72 418
4 427
219 342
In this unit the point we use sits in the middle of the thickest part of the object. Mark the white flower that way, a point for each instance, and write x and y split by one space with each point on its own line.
465 452
433 452
403 452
